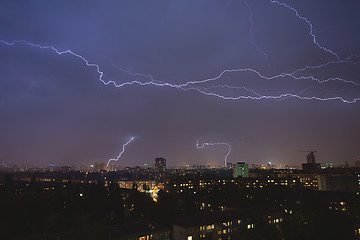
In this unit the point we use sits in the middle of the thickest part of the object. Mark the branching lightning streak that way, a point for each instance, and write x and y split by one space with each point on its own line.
257 96
345 60
252 42
196 84
278 97
185 86
281 75
310 25
313 87
214 144
121 153
231 87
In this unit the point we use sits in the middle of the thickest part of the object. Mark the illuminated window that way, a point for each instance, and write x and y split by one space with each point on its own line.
209 227
250 226
189 238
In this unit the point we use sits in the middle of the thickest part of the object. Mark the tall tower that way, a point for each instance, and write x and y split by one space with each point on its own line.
310 162
160 164
310 157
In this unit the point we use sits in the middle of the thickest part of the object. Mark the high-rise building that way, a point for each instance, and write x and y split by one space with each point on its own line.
160 164
310 164
310 157
241 169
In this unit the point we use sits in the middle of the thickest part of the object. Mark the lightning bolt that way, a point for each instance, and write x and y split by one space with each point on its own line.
214 144
121 153
311 32
252 42
345 60
195 85
191 85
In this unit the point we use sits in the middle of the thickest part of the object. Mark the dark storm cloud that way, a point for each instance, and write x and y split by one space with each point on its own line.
54 109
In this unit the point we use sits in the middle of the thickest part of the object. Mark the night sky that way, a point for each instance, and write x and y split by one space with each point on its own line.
54 108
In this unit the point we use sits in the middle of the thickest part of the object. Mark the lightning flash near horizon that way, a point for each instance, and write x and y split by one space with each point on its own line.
121 153
214 144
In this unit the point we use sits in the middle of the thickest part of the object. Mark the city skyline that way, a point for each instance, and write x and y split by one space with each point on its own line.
74 89
151 164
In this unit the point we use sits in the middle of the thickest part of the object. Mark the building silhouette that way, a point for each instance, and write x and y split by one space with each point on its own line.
310 164
160 164
310 158
241 169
